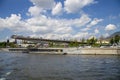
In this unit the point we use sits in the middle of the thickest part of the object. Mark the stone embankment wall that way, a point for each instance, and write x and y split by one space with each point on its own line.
74 51
100 51
91 51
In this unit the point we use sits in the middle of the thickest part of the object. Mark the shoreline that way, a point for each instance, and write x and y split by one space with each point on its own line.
68 51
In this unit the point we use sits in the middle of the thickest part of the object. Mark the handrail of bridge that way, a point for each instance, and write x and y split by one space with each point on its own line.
40 39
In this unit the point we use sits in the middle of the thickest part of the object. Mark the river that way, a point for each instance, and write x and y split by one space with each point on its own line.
21 66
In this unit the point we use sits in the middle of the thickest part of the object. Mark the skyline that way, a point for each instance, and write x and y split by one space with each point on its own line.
59 19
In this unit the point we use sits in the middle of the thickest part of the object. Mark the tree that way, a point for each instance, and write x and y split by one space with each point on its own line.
91 41
4 44
71 44
7 40
51 44
83 40
112 41
76 44
117 38
101 38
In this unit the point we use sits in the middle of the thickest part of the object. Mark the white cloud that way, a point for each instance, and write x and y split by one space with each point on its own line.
81 35
57 9
13 23
44 4
34 11
72 6
94 22
85 29
110 27
96 31
57 36
45 26
106 35
63 30
82 21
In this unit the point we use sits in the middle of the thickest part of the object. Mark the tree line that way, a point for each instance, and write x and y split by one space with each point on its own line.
84 42
115 40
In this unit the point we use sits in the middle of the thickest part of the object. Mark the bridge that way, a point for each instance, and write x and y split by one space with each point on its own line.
41 39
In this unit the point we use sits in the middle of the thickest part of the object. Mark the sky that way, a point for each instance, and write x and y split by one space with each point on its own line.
59 19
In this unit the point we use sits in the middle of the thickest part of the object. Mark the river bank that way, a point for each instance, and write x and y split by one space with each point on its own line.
93 51
69 51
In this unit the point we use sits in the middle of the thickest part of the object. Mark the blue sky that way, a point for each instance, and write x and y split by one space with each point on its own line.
59 19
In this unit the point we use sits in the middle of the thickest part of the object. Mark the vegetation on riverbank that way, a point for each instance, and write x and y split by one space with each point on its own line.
115 40
92 42
5 44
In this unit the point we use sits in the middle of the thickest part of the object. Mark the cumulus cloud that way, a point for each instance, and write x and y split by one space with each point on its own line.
57 9
42 25
44 4
72 6
83 20
47 27
85 29
57 36
80 35
110 27
13 23
94 22
96 31
106 35
34 11
63 30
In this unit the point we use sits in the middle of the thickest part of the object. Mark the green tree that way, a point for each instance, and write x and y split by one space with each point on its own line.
112 41
71 44
2 44
51 44
91 41
76 44
8 41
117 39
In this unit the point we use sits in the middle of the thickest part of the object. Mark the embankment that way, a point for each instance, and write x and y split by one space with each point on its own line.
69 51
93 51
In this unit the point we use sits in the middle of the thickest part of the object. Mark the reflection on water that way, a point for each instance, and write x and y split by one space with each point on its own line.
19 66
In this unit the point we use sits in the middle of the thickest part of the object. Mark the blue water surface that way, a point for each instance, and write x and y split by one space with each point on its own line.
21 66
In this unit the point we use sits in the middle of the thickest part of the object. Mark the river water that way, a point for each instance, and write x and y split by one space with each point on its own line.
21 66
